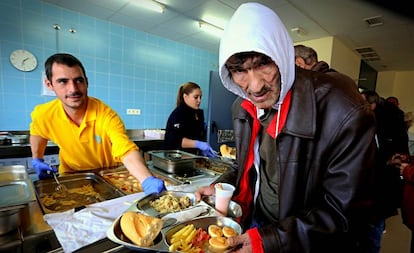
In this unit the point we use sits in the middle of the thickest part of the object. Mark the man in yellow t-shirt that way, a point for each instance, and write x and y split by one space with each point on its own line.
89 133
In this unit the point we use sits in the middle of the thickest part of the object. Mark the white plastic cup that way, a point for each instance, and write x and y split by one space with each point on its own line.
223 197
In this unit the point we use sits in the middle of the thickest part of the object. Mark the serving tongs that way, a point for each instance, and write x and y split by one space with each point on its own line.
59 186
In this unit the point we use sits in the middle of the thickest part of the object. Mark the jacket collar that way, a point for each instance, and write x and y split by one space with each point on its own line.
301 119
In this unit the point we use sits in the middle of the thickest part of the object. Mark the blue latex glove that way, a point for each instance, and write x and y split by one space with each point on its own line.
205 148
153 185
43 170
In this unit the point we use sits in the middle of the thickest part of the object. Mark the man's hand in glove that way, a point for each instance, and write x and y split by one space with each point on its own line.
43 170
152 185
205 148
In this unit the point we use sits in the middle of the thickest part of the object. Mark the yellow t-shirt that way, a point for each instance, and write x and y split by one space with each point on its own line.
100 141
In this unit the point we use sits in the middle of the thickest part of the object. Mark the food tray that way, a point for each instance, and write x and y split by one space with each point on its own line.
161 242
143 204
16 188
101 191
173 161
234 210
124 181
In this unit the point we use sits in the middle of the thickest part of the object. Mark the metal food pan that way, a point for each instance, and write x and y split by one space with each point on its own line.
234 210
173 161
122 179
16 188
47 188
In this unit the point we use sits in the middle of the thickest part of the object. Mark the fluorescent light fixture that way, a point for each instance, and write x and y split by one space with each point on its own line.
150 5
209 28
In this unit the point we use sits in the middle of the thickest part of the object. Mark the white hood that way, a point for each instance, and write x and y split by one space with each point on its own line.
255 27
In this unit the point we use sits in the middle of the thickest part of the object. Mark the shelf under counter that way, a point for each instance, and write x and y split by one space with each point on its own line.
23 150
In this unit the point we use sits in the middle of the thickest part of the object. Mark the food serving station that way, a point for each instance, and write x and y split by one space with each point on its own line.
28 228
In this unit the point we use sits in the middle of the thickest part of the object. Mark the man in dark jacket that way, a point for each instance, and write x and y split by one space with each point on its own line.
307 58
305 144
391 138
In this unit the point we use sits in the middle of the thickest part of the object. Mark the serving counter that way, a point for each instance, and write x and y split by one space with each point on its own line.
37 235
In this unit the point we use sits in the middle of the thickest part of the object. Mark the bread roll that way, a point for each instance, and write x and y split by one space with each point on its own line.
218 244
229 231
228 152
139 228
215 231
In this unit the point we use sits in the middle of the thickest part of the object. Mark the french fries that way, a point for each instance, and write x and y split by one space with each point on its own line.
181 240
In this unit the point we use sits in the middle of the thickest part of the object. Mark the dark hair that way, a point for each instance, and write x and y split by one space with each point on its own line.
371 96
308 54
393 100
65 59
185 88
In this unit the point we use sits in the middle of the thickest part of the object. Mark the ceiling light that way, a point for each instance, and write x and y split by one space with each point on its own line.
209 28
150 5
299 31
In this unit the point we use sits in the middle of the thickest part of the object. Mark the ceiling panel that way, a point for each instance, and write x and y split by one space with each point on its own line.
320 18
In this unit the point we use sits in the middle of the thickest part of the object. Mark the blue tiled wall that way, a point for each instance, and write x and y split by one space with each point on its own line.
126 68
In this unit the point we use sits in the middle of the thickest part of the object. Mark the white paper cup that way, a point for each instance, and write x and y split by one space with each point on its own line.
223 197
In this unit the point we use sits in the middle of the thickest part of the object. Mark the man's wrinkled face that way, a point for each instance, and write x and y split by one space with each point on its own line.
258 76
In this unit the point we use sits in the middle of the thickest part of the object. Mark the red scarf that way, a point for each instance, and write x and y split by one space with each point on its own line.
245 195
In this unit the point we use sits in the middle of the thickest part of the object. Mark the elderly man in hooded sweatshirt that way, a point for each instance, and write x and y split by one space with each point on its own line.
305 144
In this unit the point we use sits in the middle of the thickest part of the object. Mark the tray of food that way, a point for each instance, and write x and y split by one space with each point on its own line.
166 202
207 234
82 189
173 161
123 180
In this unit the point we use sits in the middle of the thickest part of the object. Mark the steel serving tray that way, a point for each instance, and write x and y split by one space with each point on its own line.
16 188
104 191
161 242
173 161
234 211
122 179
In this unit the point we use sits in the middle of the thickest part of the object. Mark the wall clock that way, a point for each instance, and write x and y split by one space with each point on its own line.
23 60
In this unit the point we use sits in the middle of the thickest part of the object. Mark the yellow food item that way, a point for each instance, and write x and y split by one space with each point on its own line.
139 228
229 231
218 244
227 151
181 240
215 231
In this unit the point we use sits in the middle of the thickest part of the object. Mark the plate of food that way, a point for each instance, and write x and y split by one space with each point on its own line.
206 234
166 202
138 231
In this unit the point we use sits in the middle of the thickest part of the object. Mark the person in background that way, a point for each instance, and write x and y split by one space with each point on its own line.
185 128
304 141
391 139
307 58
406 165
408 119
89 134
393 100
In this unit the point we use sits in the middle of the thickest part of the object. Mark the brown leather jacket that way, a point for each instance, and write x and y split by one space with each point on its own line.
326 160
